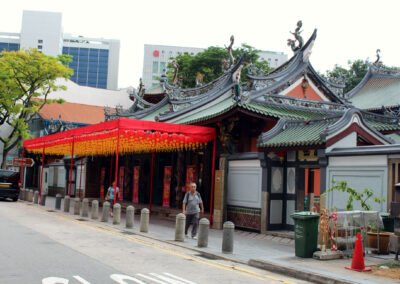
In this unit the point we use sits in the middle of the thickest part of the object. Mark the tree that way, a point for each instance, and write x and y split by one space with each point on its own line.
27 78
209 64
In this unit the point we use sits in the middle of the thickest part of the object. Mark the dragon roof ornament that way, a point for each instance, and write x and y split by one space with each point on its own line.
292 43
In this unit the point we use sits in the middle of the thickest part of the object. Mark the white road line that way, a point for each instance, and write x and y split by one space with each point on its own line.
151 278
119 278
169 280
179 278
80 279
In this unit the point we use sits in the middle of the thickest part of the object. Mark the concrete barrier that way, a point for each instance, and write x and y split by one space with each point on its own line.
67 203
180 227
144 220
105 213
36 197
30 195
43 199
130 216
77 206
204 226
95 210
116 214
85 207
57 205
227 237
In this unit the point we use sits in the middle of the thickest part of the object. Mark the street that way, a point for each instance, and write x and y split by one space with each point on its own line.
39 245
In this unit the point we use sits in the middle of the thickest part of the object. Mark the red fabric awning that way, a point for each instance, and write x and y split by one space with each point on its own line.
135 136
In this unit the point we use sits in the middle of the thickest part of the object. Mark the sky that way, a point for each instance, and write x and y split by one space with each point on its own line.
347 30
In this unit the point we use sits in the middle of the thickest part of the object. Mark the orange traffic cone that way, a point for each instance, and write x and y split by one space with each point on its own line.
358 257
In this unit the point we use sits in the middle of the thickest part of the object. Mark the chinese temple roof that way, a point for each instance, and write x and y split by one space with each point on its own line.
379 88
317 131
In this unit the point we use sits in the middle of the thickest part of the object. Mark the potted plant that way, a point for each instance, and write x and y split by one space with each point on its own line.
364 197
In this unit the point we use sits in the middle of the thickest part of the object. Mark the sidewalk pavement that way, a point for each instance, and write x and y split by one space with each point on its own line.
276 254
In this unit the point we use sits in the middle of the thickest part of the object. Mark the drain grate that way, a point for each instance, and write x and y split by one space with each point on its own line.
207 256
127 233
81 219
51 211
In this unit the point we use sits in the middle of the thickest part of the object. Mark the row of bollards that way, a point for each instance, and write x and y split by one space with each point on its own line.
204 224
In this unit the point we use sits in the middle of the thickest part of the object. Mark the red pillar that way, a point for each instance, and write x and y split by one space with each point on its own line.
41 175
80 179
116 167
151 179
212 180
70 168
22 166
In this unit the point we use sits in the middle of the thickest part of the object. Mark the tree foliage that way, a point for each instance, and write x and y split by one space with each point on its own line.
27 78
209 64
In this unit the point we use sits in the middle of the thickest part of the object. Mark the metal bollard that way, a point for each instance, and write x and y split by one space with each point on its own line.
85 207
77 206
95 209
116 214
43 199
58 201
36 197
144 220
130 216
67 202
105 213
204 226
227 237
180 227
30 195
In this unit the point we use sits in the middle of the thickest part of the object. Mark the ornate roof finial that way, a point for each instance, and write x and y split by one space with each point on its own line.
175 67
377 62
229 50
199 80
298 38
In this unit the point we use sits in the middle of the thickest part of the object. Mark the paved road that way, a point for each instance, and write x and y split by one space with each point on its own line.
38 246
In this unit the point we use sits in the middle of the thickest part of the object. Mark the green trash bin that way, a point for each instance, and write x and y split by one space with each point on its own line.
305 233
388 222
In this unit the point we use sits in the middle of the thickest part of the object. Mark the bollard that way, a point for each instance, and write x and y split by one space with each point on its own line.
204 226
227 237
116 214
85 207
144 220
58 201
130 216
21 192
36 197
105 213
26 192
43 199
67 203
180 227
77 206
95 209
30 195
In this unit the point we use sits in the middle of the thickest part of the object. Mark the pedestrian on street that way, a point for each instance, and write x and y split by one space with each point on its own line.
110 196
192 203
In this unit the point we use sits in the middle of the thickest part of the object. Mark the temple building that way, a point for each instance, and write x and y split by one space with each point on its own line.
273 136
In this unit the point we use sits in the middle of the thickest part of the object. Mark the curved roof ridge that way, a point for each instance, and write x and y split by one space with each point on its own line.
146 111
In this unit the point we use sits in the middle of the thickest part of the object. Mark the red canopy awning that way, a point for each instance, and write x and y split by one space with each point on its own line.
135 136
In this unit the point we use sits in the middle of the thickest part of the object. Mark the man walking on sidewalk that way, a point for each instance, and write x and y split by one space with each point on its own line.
191 209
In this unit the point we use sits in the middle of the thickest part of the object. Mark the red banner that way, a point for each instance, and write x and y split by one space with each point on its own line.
135 189
167 185
102 176
121 183
190 176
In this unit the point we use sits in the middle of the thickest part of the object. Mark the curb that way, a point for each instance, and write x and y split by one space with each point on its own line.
297 273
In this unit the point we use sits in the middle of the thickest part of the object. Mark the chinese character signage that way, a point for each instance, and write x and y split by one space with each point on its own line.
167 185
135 189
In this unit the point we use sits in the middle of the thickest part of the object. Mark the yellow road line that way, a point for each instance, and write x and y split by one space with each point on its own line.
216 264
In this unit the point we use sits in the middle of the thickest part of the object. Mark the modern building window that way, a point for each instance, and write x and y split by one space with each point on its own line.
40 46
155 66
40 41
162 66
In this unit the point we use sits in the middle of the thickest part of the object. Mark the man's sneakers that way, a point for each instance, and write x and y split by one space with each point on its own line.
111 214
186 236
194 238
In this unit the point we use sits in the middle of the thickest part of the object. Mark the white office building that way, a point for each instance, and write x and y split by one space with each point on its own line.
156 58
95 60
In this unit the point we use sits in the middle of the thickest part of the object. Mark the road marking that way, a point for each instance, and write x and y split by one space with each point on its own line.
169 280
215 264
54 280
179 278
80 279
151 278
119 278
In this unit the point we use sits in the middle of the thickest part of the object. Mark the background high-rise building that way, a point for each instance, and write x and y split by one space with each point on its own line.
156 58
94 60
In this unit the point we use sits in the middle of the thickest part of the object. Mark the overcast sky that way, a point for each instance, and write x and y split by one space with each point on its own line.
347 30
